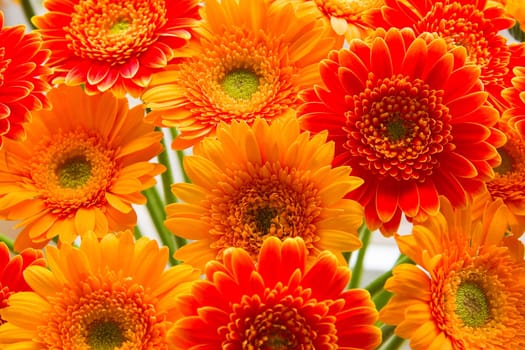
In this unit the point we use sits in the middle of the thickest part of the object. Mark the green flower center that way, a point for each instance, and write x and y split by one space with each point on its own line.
507 163
105 335
264 218
120 26
74 172
472 305
240 84
396 129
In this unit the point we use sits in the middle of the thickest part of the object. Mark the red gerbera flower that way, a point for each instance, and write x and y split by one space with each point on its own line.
279 303
472 24
22 78
11 269
400 119
114 44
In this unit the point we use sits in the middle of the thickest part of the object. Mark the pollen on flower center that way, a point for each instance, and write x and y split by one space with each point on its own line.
472 305
74 173
120 26
105 335
240 84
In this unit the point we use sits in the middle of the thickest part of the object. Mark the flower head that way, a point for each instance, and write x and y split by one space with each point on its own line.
279 303
250 183
82 166
468 289
251 60
471 24
107 294
114 44
22 79
404 125
12 269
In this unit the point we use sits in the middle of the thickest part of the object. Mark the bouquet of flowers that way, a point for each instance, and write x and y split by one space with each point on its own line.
189 174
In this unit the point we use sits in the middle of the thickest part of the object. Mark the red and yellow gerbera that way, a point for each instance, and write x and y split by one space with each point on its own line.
402 122
250 183
470 24
114 44
281 302
12 269
468 287
82 166
109 294
23 75
251 60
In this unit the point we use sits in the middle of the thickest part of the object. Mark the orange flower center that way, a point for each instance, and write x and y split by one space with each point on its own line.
73 170
465 25
509 182
260 202
103 315
240 77
347 9
113 31
399 127
277 322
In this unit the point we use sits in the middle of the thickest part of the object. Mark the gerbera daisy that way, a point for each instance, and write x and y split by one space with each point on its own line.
11 270
114 44
253 182
82 166
470 24
22 79
111 294
279 303
252 59
349 18
468 290
401 121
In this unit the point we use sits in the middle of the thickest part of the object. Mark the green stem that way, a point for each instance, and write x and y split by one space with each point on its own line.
395 343
157 212
9 243
137 233
29 12
381 298
180 157
167 176
387 331
347 256
357 269
377 285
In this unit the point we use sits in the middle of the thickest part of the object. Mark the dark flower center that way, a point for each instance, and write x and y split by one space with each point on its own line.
74 172
105 335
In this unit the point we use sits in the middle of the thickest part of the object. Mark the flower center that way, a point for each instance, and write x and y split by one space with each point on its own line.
472 305
104 335
120 26
265 218
506 165
240 84
74 173
346 8
398 128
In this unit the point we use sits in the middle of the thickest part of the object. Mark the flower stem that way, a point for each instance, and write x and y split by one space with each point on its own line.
180 157
9 243
156 210
381 298
395 343
357 270
29 12
377 285
167 176
137 233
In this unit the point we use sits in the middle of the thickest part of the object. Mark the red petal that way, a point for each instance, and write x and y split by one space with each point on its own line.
415 58
409 198
387 198
381 63
96 73
130 68
428 197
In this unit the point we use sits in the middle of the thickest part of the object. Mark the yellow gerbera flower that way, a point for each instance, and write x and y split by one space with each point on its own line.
115 293
468 289
252 59
81 167
267 180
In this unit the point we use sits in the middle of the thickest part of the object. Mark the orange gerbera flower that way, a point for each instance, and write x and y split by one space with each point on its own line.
114 44
112 294
252 59
11 269
468 290
22 79
83 165
401 121
470 24
279 303
349 18
253 182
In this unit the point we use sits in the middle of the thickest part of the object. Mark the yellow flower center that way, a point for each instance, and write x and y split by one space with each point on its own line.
113 31
240 84
401 127
104 335
73 170
472 305
347 9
